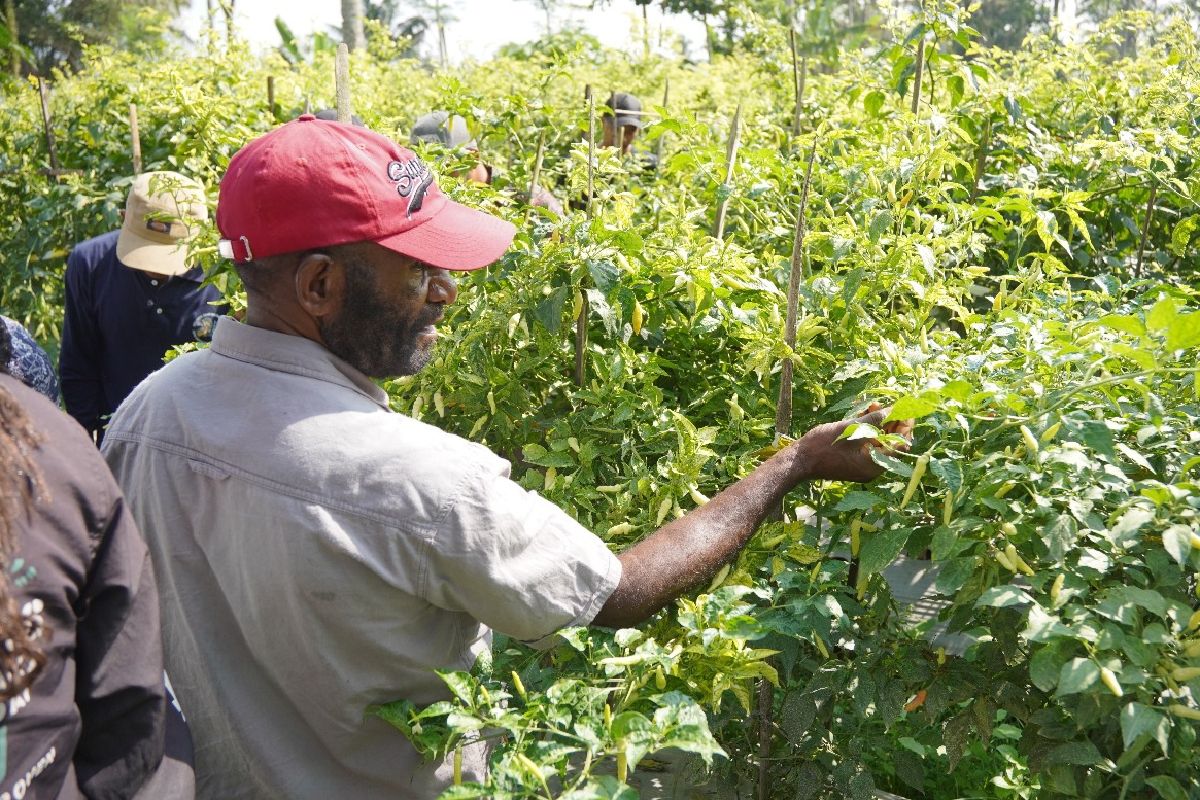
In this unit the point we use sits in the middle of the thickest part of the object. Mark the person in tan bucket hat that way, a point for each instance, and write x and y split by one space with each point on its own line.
131 296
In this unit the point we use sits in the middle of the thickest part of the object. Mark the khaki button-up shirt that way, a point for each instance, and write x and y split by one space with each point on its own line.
317 553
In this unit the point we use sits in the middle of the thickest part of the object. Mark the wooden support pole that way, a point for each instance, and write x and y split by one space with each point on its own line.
342 83
783 410
918 72
799 74
1146 229
985 143
581 320
135 139
51 149
735 130
271 97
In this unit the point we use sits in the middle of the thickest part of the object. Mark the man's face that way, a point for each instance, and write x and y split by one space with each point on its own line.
391 302
627 132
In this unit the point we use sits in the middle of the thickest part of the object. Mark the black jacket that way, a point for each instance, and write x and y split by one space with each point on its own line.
93 724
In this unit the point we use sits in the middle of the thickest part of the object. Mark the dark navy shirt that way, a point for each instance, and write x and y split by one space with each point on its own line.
119 323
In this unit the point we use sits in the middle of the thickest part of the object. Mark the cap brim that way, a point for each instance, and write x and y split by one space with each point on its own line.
457 238
629 119
163 259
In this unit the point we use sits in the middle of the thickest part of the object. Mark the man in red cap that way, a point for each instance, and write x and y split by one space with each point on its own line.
318 553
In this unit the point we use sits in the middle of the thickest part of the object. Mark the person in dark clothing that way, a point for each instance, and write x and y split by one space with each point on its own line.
130 297
83 706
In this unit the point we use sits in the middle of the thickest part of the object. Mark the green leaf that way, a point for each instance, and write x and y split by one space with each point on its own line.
1177 540
949 472
550 310
881 222
1044 667
858 501
604 273
1183 332
1124 323
1003 596
1080 754
1077 675
880 550
461 684
910 407
873 103
1162 314
1167 787
1059 536
536 454
1137 719
1181 237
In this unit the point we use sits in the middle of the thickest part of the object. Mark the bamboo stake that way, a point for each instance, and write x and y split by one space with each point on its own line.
581 320
1146 228
730 160
783 427
342 81
271 97
919 71
783 411
51 149
658 147
135 137
981 158
799 74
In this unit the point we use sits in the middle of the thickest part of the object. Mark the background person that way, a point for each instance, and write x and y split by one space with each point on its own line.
83 709
130 297
320 553
439 127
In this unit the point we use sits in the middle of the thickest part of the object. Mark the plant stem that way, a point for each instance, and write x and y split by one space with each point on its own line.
730 161
1146 229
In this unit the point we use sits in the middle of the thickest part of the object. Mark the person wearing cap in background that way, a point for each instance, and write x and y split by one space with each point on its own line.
319 553
130 297
622 121
439 127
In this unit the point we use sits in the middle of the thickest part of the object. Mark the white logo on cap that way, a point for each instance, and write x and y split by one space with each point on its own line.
413 180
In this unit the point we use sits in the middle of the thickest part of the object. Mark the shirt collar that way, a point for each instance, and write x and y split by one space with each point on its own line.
284 352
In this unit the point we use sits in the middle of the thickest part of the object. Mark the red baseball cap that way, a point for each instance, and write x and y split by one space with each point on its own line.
315 183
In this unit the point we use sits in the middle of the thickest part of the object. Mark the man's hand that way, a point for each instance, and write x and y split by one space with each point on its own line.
825 457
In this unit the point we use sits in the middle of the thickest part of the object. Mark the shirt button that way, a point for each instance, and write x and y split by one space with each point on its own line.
154 283
149 303
160 311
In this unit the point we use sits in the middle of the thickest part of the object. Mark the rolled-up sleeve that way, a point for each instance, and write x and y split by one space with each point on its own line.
516 562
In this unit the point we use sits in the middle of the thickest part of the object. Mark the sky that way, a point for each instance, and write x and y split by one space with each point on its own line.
483 25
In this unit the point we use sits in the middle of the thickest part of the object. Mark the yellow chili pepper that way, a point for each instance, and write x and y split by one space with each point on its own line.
1109 679
917 473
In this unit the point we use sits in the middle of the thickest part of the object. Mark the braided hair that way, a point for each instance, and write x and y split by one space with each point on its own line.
20 486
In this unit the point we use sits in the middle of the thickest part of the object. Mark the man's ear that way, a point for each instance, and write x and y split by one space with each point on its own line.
320 285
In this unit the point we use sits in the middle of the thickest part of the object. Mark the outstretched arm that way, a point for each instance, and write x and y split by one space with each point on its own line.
690 550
